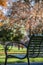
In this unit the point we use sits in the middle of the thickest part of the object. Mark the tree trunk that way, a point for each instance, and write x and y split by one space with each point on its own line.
18 47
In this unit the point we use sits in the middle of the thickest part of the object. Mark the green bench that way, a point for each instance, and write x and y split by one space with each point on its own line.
34 49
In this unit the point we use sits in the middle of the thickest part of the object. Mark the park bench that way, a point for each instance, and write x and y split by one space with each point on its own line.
34 49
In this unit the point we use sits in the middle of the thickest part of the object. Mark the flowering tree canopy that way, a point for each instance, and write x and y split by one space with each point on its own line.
20 17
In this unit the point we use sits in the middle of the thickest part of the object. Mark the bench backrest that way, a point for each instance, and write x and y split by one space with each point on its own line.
35 46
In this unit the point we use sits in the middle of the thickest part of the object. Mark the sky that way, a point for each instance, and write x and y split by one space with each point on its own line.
13 0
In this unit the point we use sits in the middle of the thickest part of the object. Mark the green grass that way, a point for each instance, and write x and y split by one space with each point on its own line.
15 49
2 59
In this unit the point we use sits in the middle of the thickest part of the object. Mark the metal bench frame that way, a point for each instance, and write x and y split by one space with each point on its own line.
33 52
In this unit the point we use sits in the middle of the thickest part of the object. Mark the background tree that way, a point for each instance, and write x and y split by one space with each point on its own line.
3 2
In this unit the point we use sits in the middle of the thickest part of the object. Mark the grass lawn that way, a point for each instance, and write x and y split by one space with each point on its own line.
15 50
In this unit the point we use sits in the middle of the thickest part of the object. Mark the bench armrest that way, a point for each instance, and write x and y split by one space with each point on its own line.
8 44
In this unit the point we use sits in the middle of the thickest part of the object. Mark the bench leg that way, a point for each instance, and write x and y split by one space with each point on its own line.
5 61
28 61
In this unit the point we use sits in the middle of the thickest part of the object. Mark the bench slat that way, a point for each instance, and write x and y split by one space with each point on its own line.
36 47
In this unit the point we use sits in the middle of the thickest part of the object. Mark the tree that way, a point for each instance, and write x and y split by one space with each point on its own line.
3 2
38 0
33 0
26 0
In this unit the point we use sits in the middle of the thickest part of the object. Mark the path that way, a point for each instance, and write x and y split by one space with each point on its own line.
34 63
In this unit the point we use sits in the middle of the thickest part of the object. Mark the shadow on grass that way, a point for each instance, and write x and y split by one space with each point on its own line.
19 62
